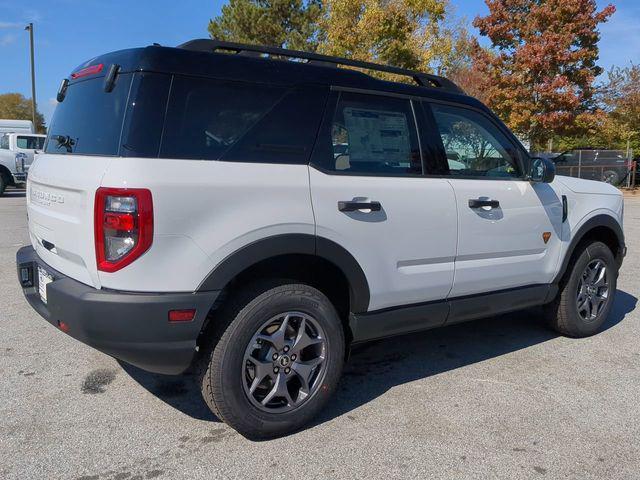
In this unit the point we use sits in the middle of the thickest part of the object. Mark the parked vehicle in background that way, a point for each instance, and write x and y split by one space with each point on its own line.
16 155
609 166
16 126
255 215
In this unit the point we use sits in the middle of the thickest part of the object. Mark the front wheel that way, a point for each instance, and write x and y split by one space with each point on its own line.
611 177
275 360
587 292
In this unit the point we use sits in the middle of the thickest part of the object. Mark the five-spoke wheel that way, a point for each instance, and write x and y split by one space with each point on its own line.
593 290
275 357
284 362
586 292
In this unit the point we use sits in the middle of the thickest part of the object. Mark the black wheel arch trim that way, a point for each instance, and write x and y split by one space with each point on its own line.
286 244
600 220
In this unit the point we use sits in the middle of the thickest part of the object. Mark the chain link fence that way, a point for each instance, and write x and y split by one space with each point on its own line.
616 167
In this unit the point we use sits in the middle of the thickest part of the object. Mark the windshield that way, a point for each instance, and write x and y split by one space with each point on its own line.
30 143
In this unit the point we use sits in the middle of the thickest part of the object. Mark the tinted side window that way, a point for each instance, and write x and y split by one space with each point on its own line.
474 145
4 142
287 133
89 120
205 117
30 143
145 115
373 134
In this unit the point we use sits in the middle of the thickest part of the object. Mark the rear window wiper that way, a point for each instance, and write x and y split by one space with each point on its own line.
64 141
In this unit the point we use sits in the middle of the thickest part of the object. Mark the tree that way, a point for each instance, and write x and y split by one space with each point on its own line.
620 98
279 23
616 122
539 75
16 107
413 34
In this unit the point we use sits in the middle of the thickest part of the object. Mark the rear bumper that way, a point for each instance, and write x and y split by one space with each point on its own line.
20 178
132 327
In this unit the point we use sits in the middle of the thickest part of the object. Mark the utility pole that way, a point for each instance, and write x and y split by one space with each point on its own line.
33 76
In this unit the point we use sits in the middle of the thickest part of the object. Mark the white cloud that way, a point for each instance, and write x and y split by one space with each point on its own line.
7 39
10 25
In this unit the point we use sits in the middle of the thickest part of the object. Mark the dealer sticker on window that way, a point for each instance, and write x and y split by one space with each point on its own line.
43 280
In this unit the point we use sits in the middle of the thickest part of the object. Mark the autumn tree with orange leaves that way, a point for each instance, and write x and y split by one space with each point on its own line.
539 73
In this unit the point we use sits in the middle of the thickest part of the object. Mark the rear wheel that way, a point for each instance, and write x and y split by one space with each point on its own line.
3 184
274 361
587 293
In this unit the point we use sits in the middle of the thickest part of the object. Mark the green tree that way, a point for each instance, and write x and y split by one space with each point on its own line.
279 23
16 107
414 34
540 73
620 99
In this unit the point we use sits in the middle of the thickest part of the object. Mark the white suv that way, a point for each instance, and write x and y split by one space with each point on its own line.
255 217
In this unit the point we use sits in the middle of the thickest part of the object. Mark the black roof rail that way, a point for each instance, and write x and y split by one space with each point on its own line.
422 79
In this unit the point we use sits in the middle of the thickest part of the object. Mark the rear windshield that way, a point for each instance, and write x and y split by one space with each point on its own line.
30 143
180 117
89 120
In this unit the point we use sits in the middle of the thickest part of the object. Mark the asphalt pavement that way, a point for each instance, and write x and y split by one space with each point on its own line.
498 398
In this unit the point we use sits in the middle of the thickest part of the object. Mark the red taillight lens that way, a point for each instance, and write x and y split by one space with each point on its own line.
123 226
90 70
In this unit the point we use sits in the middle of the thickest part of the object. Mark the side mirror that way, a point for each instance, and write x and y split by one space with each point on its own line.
542 170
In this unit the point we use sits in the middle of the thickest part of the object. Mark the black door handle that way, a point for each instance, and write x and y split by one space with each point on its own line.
479 203
352 206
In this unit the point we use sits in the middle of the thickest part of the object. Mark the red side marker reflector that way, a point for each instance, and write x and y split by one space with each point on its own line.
182 315
90 70
63 326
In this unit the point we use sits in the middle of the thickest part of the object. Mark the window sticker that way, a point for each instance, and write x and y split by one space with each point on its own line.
377 136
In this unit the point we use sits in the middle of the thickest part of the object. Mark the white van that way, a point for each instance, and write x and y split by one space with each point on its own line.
16 126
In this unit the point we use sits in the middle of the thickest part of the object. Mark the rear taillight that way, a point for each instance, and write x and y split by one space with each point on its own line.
123 226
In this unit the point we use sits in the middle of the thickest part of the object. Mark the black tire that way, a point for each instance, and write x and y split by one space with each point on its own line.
563 313
611 177
221 366
3 184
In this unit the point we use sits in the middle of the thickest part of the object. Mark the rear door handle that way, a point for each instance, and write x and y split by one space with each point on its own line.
352 206
480 202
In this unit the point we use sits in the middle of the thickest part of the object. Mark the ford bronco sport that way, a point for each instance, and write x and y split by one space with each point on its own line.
253 212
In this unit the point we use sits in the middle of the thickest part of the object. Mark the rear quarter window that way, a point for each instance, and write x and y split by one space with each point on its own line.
210 119
206 117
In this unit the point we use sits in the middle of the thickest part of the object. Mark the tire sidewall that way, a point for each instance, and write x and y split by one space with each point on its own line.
594 251
247 418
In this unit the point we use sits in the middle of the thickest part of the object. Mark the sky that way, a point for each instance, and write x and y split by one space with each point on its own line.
69 32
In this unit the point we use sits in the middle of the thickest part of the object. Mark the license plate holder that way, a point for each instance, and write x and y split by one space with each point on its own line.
44 278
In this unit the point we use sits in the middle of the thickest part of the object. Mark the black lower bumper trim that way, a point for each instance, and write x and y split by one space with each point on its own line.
132 327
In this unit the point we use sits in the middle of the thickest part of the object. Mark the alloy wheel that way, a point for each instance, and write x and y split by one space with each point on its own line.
285 362
593 290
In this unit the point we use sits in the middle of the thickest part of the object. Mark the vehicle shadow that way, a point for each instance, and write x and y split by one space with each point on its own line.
15 193
178 391
376 367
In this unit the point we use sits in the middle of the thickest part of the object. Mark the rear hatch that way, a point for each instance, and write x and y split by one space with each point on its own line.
84 137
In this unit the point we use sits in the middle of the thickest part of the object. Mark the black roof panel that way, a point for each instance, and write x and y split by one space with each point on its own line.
236 67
